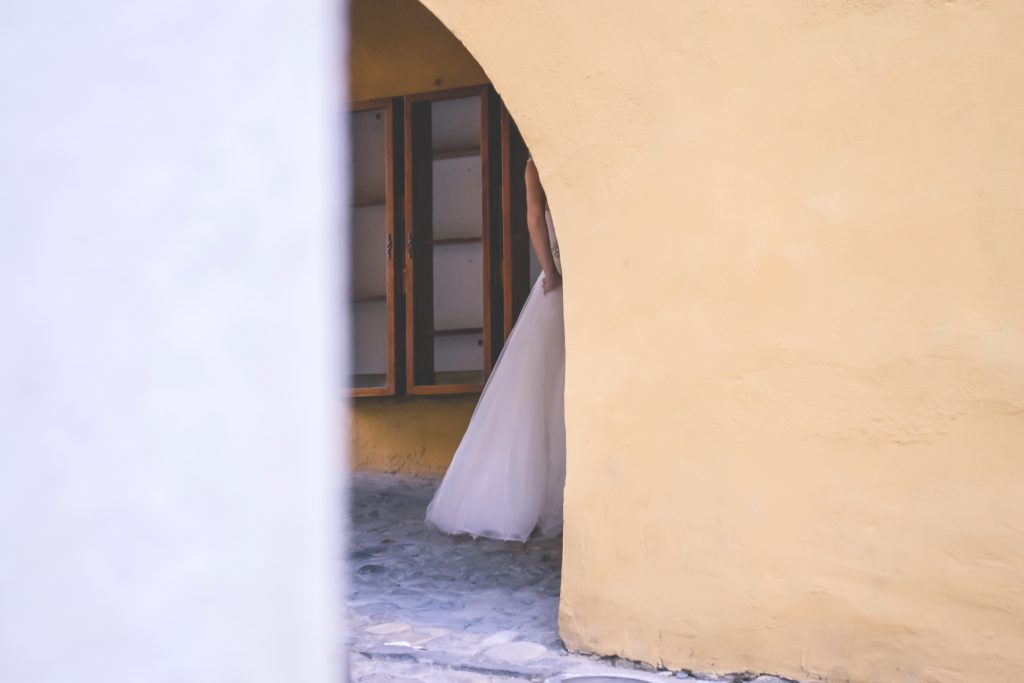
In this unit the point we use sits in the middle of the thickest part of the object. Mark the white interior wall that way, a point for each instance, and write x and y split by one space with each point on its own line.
169 275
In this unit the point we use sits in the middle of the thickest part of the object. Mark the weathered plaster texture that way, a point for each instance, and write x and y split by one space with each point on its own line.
408 435
791 235
398 47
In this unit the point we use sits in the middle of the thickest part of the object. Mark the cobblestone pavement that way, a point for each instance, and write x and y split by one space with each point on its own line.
425 606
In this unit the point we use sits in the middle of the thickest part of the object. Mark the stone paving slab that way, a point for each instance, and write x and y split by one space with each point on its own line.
425 606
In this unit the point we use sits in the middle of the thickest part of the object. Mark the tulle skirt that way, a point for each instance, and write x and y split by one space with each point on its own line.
508 474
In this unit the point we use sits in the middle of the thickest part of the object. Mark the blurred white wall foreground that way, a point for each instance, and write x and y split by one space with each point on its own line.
168 354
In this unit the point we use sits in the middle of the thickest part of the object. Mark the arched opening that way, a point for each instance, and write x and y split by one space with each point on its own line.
442 265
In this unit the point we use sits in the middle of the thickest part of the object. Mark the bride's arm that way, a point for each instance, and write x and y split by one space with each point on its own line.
535 203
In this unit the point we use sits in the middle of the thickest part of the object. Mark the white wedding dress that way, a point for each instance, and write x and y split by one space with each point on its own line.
507 476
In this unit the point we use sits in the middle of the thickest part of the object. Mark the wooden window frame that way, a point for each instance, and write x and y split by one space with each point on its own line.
418 215
393 112
504 236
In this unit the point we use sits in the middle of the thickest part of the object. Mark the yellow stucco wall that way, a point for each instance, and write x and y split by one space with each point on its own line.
793 244
408 435
398 47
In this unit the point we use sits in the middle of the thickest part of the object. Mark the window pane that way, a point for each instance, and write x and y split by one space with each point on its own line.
370 344
369 155
455 124
458 314
458 277
448 347
459 359
369 255
369 251
458 198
